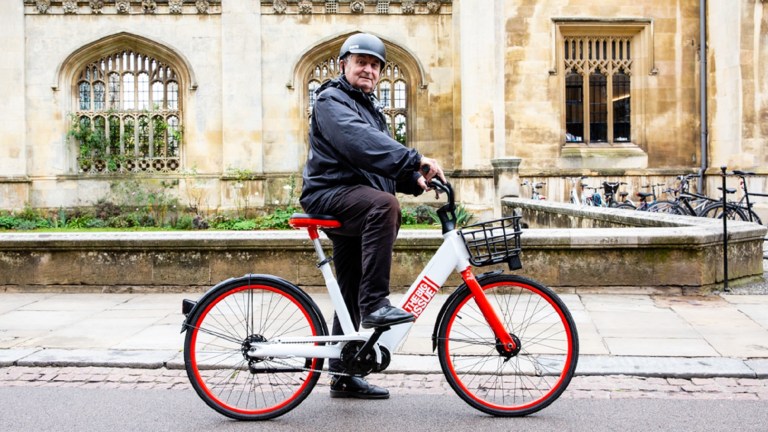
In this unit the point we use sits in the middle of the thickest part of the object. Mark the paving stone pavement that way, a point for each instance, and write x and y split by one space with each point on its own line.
650 336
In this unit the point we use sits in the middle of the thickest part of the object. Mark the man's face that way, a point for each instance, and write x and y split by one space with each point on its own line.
362 71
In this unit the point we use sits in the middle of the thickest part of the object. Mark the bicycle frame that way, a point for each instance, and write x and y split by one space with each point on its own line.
744 201
451 256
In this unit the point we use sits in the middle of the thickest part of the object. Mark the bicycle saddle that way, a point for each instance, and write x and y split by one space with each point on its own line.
305 220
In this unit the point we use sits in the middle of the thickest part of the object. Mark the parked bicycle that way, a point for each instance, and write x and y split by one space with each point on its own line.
574 195
610 190
535 194
686 202
648 201
696 204
744 203
508 346
590 196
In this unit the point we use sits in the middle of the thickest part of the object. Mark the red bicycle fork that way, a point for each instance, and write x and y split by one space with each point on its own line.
508 344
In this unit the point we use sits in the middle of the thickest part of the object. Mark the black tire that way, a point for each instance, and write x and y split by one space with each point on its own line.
218 333
753 217
528 381
668 207
626 206
715 210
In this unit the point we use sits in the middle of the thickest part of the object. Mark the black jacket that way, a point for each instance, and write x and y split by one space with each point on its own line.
349 144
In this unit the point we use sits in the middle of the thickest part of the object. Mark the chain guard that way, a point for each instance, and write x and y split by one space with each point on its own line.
365 365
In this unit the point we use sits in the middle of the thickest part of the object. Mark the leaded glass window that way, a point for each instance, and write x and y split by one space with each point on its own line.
128 110
392 93
597 89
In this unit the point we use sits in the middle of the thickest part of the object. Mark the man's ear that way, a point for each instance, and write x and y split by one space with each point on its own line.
342 63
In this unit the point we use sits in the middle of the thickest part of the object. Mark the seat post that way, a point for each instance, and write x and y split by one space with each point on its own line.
312 222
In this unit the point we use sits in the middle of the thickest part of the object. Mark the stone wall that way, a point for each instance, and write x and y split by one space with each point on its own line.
604 250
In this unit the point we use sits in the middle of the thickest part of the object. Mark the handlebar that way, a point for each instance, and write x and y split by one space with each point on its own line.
446 213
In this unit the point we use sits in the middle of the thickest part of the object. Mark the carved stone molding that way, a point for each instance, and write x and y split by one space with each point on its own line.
279 6
149 6
202 6
305 7
69 6
408 7
175 6
123 6
356 7
43 5
96 6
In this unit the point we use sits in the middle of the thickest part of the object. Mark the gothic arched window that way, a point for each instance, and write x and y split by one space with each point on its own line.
127 115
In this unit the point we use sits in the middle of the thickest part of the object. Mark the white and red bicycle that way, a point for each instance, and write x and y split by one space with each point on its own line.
255 345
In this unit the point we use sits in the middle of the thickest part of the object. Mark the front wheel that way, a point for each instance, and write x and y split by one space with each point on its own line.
663 206
483 373
231 319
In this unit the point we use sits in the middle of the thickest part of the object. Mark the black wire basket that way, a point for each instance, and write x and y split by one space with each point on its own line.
494 242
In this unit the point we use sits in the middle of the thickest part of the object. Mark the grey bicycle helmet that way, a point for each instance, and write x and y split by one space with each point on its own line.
364 43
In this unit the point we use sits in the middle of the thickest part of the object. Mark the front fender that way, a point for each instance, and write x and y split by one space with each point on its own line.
457 293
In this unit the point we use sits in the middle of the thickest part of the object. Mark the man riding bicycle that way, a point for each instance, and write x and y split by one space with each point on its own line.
353 170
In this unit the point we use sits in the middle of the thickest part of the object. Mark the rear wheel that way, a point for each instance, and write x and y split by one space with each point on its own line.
717 210
483 373
230 320
665 207
753 217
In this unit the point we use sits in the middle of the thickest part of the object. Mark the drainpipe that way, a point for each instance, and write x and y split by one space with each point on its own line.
703 91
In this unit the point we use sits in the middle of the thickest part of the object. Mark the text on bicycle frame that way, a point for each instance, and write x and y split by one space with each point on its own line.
421 297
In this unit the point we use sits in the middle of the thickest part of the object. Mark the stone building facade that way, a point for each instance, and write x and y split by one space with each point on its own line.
215 95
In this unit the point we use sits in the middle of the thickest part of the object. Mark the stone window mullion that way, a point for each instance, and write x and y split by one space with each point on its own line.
586 104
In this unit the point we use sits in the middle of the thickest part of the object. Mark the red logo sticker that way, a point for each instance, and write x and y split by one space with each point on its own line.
421 297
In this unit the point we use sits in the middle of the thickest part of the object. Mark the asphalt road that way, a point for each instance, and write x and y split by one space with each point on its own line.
115 410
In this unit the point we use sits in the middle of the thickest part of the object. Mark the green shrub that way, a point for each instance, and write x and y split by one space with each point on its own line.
463 216
96 223
8 222
78 222
184 222
24 225
278 219
244 225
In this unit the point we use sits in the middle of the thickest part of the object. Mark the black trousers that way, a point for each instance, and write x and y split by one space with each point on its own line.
362 249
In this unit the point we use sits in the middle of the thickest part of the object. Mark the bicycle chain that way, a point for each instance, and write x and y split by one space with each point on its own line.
310 369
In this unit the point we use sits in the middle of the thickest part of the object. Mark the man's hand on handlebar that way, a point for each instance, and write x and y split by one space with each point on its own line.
430 169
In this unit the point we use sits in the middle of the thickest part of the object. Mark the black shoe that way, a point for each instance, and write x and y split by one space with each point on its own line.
387 316
356 387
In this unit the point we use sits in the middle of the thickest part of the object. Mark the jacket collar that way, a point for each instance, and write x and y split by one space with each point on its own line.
342 83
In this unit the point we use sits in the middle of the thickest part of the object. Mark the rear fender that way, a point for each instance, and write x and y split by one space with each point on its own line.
189 307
